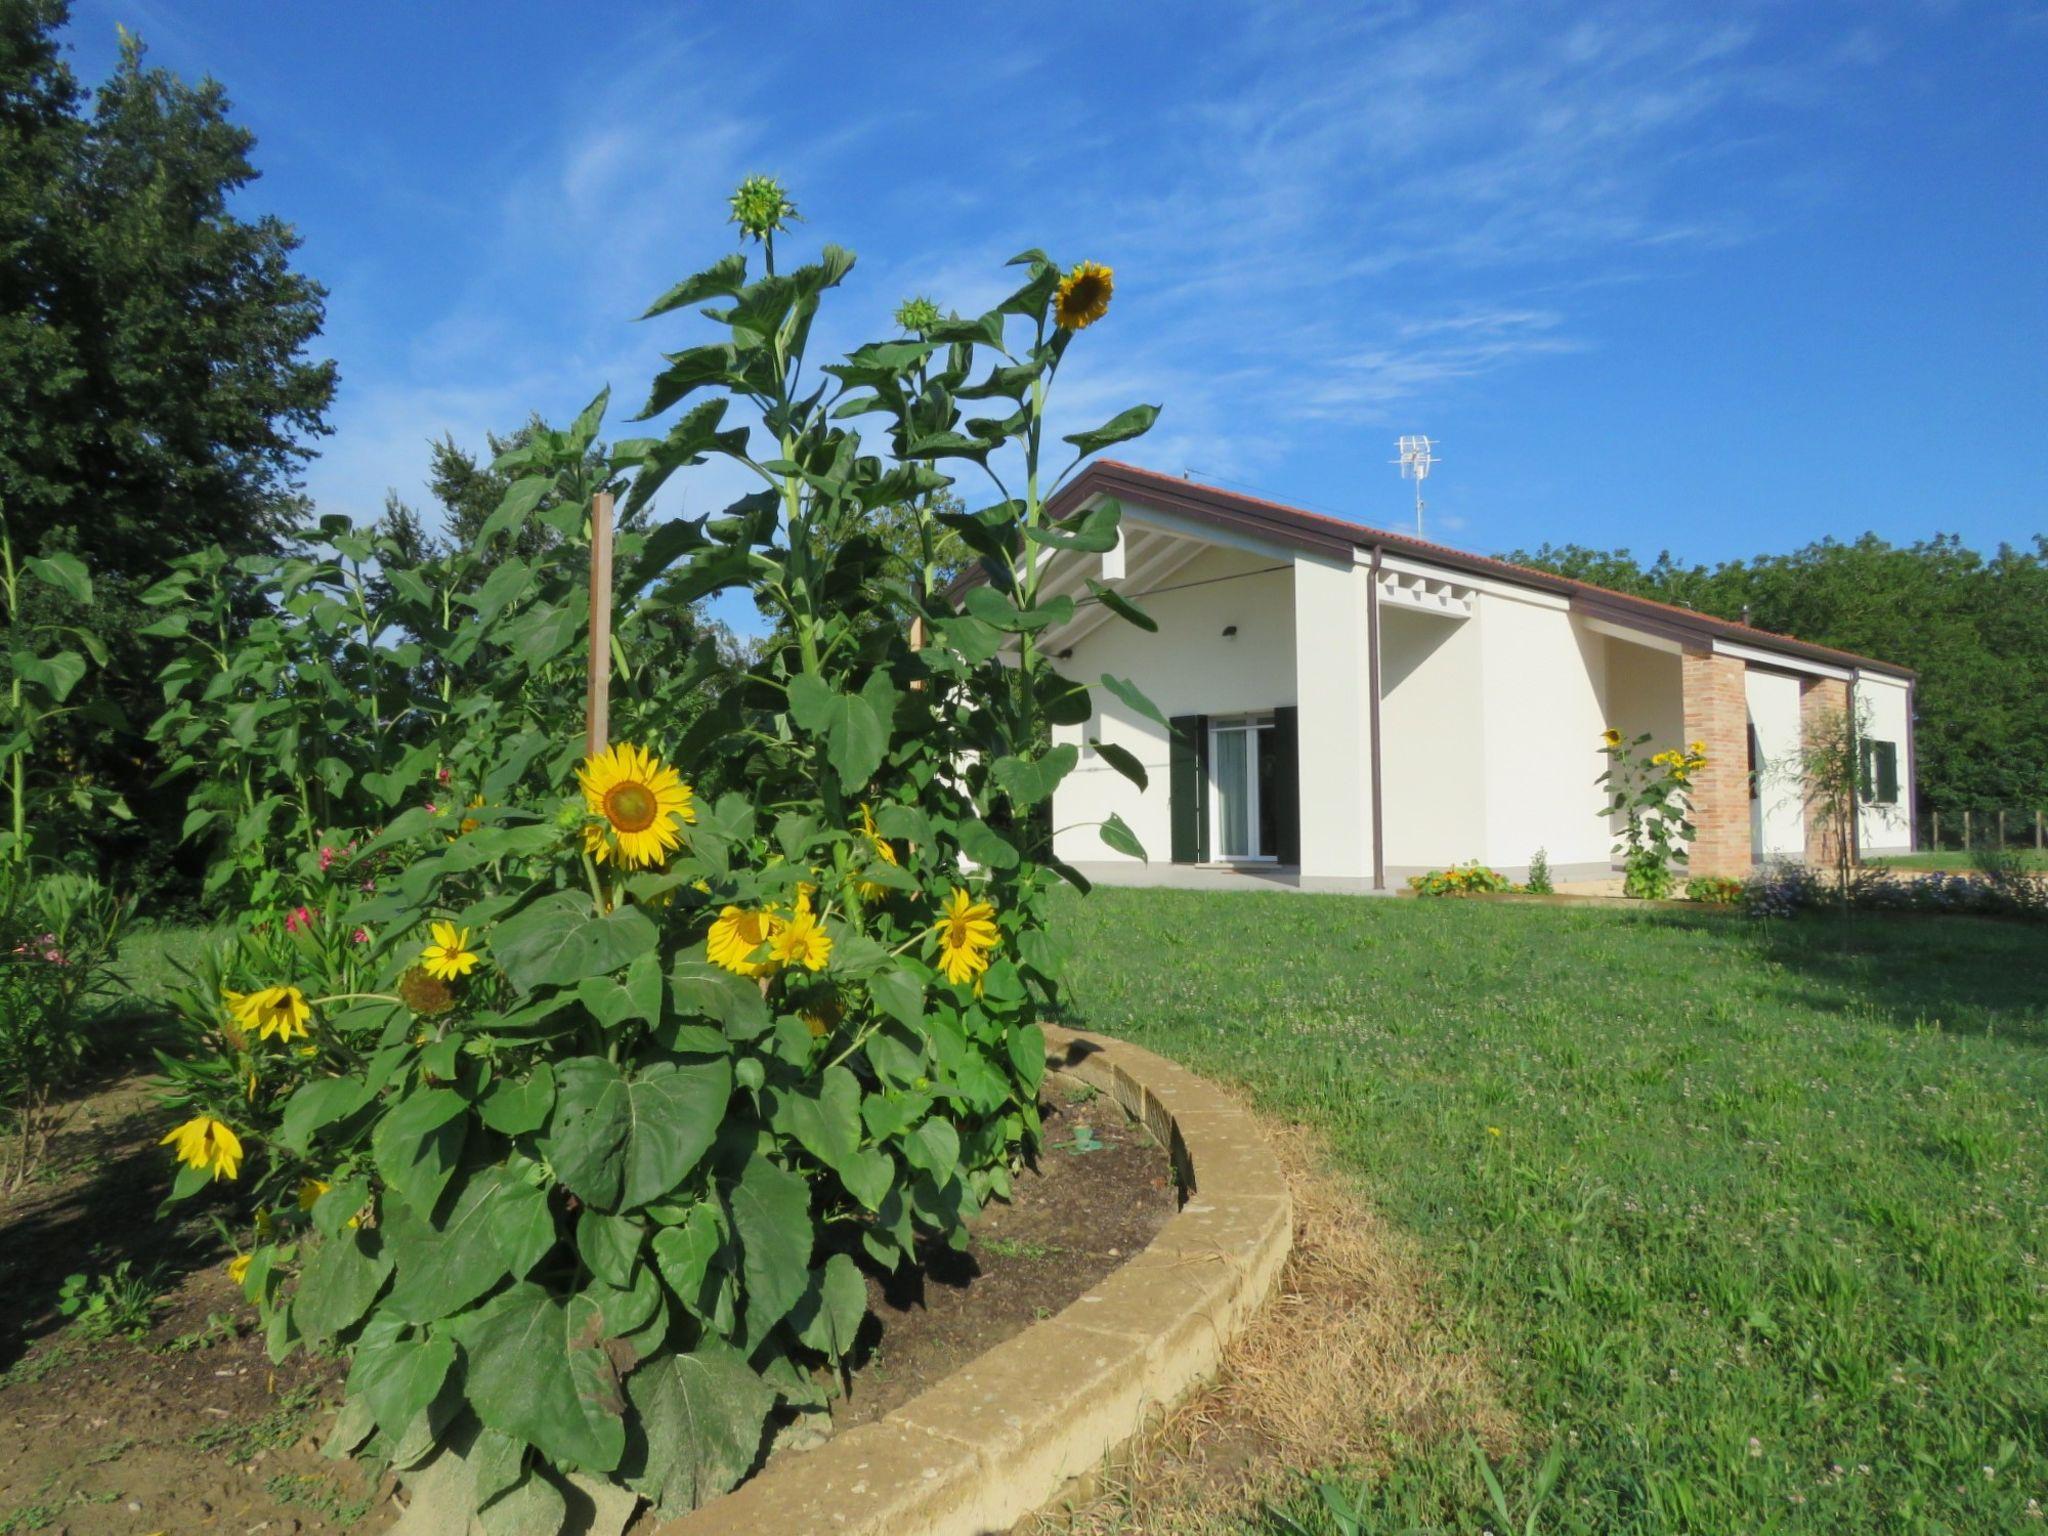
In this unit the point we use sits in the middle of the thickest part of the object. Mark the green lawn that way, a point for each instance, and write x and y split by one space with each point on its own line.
1954 859
1751 1216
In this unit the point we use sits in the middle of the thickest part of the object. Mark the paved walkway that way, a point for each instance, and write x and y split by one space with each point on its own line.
1205 877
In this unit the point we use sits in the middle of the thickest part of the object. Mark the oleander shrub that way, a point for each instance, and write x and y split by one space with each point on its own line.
572 1098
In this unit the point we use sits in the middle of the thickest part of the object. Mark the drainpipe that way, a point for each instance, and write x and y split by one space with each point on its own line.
1855 773
1912 768
1372 667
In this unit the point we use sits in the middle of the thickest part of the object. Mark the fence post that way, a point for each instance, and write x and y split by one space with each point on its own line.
2001 831
597 696
2039 842
1966 831
1934 834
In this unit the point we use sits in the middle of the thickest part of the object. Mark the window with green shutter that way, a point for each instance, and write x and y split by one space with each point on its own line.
1880 772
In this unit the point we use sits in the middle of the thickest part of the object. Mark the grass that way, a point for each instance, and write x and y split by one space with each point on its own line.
1750 1219
1956 860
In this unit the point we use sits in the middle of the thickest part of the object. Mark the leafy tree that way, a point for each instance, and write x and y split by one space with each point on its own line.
1970 625
155 392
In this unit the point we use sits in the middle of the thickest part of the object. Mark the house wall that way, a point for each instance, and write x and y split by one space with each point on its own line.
1780 819
1432 713
1884 701
1188 667
1333 669
1543 677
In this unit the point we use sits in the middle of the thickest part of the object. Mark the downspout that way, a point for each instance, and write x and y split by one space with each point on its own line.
1855 775
1912 768
1372 667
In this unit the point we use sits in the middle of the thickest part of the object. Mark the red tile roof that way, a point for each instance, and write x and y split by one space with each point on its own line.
1318 532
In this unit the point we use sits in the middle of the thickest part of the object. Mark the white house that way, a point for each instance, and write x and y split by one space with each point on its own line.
1352 705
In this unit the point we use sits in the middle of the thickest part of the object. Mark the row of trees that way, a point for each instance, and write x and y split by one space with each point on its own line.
1974 627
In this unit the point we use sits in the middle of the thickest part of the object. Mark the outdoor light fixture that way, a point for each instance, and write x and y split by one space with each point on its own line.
1230 631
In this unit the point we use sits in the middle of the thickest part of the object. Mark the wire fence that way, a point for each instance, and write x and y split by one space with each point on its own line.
1965 828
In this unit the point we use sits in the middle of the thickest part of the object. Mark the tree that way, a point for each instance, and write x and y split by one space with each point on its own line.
156 395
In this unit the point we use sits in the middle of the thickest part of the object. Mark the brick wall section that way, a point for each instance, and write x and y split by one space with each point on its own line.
1717 713
1819 698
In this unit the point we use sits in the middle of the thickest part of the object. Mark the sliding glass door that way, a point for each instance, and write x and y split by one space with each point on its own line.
1243 796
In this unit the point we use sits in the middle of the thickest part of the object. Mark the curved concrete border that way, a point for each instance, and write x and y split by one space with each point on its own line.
1000 1437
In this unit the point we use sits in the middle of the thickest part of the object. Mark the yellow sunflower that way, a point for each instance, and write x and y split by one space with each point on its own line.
238 1268
279 1011
206 1143
643 801
966 935
878 845
737 934
1611 736
1083 296
800 940
449 957
310 1191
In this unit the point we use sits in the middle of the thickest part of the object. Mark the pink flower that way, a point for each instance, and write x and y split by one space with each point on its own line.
326 858
433 809
442 775
362 936
54 956
297 918
368 887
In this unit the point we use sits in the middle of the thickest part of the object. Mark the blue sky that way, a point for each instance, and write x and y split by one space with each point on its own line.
1718 278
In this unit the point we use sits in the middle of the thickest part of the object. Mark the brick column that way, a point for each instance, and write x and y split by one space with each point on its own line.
1717 714
1819 699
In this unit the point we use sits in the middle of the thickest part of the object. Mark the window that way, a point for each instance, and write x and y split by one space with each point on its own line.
1880 772
1241 771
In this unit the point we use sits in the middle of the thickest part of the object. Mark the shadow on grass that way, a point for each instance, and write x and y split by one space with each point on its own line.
1967 975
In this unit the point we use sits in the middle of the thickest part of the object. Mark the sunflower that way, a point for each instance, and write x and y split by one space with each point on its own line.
279 1011
878 845
207 1144
427 996
966 935
737 934
1611 736
1083 296
238 1268
800 940
310 1191
641 799
449 957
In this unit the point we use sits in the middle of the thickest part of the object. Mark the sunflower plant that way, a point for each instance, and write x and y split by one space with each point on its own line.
579 1091
1652 794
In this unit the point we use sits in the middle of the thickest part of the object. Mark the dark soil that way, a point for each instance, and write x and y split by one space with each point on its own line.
1070 1221
190 1428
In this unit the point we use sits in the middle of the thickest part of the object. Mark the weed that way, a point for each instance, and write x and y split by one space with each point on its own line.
118 1303
317 1491
1016 1248
277 1429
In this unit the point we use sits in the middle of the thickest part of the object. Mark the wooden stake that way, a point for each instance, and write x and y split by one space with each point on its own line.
597 698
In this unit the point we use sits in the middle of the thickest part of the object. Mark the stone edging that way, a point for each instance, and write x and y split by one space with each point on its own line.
1001 1436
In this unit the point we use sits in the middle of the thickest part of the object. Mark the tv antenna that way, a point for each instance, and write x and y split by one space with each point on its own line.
1418 457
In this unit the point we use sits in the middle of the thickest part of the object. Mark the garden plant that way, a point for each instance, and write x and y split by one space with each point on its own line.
571 1086
1651 792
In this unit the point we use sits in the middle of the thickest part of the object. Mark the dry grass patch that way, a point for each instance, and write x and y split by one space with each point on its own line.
1348 1360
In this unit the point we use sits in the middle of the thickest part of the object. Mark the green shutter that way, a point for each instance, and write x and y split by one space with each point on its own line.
1285 740
1887 753
1187 778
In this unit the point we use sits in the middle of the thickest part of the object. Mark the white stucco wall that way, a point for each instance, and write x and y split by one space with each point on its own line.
1883 712
1778 814
1543 678
1434 767
1333 671
1188 667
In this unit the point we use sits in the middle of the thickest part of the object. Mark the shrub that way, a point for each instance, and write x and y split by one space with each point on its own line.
1539 883
575 1096
1653 796
1473 879
1715 890
59 933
